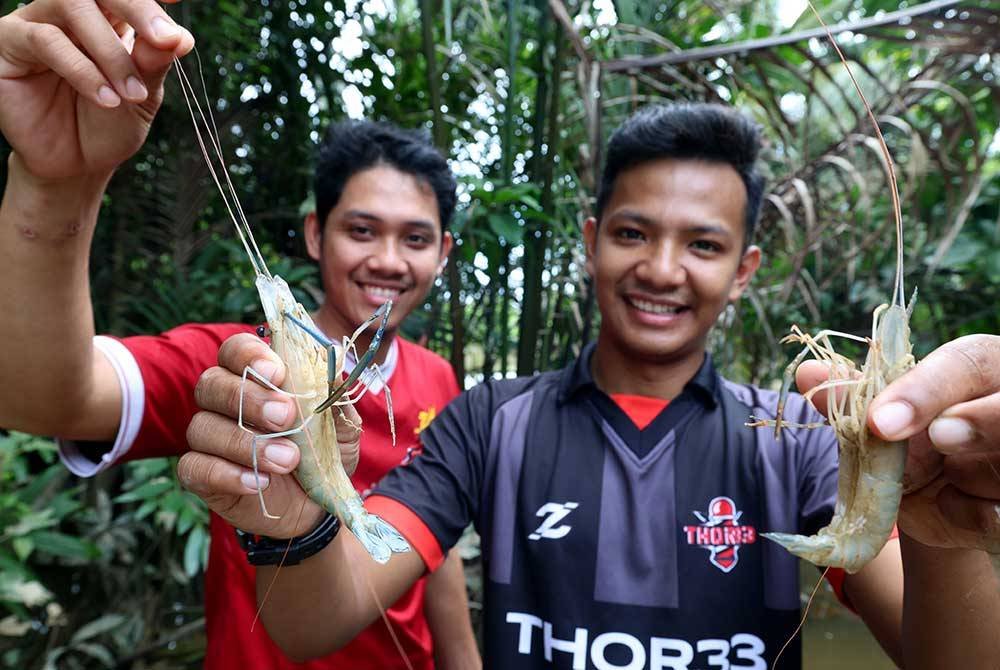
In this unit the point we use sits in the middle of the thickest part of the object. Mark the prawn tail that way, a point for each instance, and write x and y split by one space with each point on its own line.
850 552
379 538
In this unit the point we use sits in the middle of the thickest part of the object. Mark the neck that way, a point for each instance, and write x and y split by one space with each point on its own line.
336 329
616 372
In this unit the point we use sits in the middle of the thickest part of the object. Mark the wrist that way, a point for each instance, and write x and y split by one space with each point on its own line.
262 550
46 208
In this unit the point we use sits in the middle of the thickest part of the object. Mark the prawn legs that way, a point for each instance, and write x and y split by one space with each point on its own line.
869 480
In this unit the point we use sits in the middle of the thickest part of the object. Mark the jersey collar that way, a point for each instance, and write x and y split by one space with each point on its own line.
577 379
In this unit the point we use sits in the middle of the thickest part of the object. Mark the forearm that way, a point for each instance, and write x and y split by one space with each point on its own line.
45 232
951 608
320 605
446 606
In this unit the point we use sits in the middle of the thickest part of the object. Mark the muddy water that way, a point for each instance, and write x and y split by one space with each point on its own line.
834 638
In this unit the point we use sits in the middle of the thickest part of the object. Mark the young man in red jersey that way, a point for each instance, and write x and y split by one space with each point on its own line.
384 198
621 500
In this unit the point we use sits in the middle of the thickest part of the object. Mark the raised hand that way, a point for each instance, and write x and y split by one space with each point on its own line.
81 80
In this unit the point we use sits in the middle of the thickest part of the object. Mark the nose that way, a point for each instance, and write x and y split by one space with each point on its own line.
388 259
663 267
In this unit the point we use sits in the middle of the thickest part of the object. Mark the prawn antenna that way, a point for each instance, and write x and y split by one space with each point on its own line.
228 192
898 292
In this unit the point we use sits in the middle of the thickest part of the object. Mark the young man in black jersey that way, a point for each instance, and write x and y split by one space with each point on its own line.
620 500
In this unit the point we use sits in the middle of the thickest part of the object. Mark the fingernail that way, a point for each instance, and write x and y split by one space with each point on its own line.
163 28
951 432
108 97
250 480
276 412
266 368
891 419
136 89
280 454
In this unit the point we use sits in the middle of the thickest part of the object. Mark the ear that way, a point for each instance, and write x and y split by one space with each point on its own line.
745 272
314 236
447 242
590 242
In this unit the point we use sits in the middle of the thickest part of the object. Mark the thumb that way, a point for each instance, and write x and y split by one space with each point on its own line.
154 61
956 372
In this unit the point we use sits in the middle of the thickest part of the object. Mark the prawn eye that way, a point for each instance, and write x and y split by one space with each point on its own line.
263 331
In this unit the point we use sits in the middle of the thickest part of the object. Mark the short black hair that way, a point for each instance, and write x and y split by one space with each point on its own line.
698 131
354 146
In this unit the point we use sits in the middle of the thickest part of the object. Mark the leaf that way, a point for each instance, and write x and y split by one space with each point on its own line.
31 522
100 652
30 594
60 544
11 626
98 626
506 227
195 551
23 547
150 489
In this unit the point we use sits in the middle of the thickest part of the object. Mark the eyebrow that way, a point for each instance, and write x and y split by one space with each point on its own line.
368 216
705 228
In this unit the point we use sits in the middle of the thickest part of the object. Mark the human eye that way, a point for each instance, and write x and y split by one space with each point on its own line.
361 231
418 240
707 246
628 234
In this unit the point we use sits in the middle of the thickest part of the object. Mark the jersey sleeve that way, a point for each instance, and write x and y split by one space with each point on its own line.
437 495
157 375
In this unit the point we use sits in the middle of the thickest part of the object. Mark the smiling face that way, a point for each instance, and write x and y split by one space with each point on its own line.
666 258
382 241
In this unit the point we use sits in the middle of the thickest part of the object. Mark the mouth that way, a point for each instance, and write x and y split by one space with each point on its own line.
656 308
380 293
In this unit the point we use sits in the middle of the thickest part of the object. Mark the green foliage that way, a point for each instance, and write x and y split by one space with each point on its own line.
79 571
523 117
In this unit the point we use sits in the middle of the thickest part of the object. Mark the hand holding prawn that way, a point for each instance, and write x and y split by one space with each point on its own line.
948 407
220 466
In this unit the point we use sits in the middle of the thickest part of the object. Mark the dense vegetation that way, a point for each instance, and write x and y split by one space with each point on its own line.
520 94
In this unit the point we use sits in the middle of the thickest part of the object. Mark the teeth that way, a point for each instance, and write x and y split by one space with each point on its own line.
655 308
381 292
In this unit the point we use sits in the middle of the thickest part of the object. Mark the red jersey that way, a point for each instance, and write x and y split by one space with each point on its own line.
421 384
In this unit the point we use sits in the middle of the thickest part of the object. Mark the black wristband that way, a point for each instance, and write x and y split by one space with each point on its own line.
262 550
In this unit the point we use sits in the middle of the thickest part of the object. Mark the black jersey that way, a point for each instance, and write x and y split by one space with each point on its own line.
605 546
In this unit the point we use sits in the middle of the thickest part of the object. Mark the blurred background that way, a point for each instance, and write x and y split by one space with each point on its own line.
521 95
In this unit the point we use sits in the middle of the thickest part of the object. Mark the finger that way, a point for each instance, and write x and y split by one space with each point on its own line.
969 427
151 23
347 424
102 43
224 392
231 491
812 374
217 435
246 350
41 44
975 515
959 371
974 474
923 463
209 475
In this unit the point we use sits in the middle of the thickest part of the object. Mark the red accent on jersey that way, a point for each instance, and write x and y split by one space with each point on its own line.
640 408
170 366
411 526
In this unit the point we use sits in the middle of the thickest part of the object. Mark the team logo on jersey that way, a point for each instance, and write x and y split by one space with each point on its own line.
721 533
553 513
424 418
